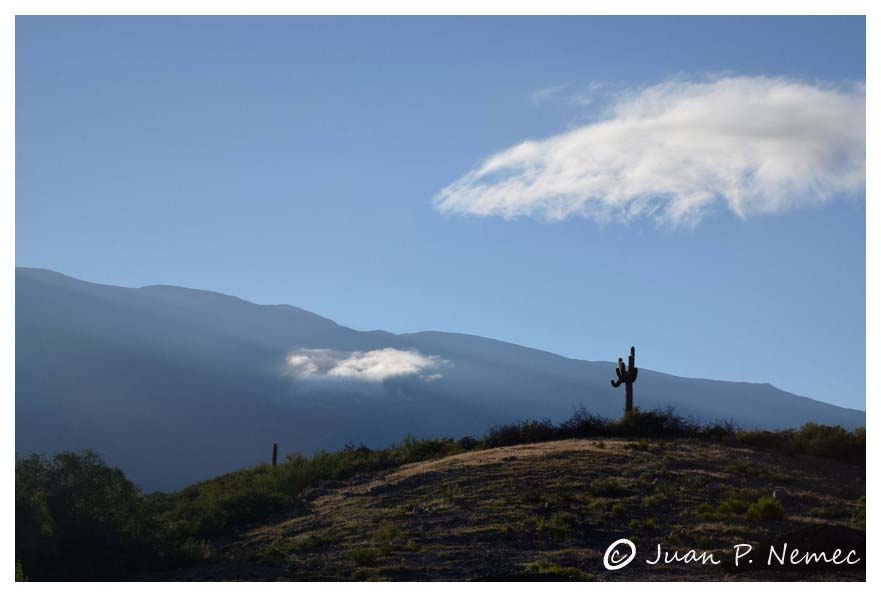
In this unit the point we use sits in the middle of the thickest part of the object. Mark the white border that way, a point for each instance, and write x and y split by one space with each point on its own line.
433 7
450 7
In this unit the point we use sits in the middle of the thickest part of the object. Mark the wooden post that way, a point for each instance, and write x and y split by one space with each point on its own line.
274 454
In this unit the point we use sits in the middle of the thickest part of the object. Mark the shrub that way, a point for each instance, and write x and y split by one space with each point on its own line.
606 487
77 518
746 494
831 511
562 523
766 508
826 441
583 424
811 439
858 520
652 501
656 424
366 556
388 533
452 494
720 429
525 432
468 443
705 510
416 450
212 508
647 524
364 574
732 506
619 510
564 519
544 567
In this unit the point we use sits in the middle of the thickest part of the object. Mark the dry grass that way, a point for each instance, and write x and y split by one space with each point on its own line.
529 511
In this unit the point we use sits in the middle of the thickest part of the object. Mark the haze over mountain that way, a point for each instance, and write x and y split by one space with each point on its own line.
175 385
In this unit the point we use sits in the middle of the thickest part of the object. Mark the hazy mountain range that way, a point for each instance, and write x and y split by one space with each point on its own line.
175 385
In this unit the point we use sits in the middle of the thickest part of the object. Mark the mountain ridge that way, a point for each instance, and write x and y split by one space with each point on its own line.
284 306
202 378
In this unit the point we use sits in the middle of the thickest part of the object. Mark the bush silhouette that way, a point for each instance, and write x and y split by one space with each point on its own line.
826 441
765 508
77 518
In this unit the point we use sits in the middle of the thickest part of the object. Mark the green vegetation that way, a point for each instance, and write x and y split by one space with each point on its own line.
705 510
744 502
367 556
545 568
652 501
824 441
582 424
858 521
766 508
214 507
452 495
646 524
77 518
606 487
560 524
832 511
732 506
814 440
366 574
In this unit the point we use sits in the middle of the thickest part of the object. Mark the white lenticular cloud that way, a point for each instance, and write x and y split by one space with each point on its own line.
370 366
676 150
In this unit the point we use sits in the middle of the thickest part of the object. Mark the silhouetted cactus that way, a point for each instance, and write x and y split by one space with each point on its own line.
627 375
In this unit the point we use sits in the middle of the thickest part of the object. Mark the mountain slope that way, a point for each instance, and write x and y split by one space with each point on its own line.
176 385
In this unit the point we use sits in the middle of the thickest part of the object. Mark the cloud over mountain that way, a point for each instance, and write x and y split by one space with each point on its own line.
369 366
677 150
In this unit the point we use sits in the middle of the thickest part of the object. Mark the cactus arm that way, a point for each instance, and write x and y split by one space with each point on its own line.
627 374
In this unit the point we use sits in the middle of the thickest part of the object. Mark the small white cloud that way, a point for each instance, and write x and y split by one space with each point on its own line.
546 93
676 150
589 94
369 366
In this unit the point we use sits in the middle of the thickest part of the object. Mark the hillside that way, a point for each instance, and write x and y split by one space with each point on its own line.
549 510
176 385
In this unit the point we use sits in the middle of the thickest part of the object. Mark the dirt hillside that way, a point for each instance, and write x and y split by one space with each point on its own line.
548 511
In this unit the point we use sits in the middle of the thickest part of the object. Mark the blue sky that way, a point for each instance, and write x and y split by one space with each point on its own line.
306 161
